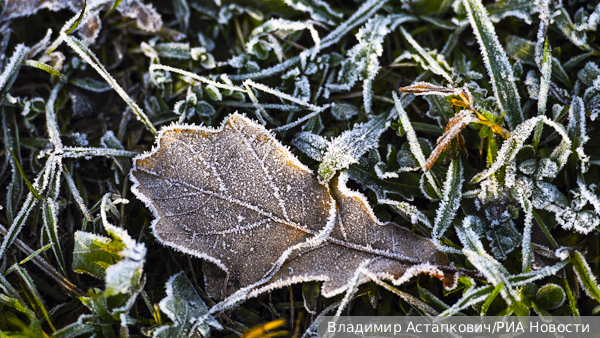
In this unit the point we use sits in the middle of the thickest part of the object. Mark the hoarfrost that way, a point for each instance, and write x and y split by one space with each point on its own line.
486 264
280 28
183 306
577 130
568 215
533 84
562 253
413 142
365 173
313 145
450 201
362 61
347 148
522 9
515 142
343 111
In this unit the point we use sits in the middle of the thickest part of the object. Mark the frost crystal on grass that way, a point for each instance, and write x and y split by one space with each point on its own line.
313 145
515 142
343 111
577 130
452 193
183 306
522 9
363 59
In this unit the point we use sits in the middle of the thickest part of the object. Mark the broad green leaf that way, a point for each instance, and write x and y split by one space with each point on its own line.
92 253
521 9
564 23
344 111
313 145
589 73
504 238
550 296
173 50
496 62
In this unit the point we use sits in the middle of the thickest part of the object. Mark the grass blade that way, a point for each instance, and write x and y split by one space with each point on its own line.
93 61
27 182
47 68
496 62
585 276
415 147
491 298
449 204
37 299
51 228
544 89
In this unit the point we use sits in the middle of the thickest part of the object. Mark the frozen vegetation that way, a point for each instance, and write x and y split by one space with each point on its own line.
207 168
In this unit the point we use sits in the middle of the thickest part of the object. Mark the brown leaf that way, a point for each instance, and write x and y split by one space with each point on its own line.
238 198
457 123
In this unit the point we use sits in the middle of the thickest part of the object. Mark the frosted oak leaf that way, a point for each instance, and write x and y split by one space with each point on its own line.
239 199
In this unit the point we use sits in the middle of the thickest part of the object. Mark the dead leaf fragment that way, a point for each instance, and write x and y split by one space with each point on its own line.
238 198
